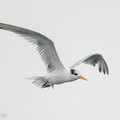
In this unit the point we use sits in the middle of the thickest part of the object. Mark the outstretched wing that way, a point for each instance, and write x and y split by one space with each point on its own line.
44 46
93 60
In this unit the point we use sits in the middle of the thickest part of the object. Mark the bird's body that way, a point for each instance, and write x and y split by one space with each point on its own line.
60 77
55 78
57 73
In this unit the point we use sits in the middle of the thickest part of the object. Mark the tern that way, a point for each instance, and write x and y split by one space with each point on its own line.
57 73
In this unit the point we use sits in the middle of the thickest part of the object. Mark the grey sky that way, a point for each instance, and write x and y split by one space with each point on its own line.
78 28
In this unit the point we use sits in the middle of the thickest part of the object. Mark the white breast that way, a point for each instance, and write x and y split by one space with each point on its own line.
60 77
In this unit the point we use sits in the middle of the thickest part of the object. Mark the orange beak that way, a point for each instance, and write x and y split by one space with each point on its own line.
81 77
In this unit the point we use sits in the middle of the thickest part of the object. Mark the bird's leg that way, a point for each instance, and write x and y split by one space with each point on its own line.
45 85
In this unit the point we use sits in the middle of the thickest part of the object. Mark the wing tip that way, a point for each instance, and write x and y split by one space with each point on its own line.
107 72
104 71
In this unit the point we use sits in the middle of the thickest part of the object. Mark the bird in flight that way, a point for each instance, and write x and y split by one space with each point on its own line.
57 73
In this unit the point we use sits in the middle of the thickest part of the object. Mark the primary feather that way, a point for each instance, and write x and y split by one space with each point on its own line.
93 60
45 46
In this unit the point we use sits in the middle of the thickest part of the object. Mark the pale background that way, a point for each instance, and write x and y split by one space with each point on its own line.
78 28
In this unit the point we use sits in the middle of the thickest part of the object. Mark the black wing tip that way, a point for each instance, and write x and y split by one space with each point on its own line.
104 71
107 72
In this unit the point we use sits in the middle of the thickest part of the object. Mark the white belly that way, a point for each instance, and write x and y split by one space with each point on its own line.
58 78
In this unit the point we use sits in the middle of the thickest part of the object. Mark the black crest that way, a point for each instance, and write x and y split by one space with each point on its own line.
72 71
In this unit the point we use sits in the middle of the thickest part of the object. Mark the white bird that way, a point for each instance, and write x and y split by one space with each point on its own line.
57 72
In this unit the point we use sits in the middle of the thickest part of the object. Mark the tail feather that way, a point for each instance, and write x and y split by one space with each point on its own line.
38 81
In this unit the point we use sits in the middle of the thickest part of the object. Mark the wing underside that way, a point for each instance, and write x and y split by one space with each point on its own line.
45 46
93 60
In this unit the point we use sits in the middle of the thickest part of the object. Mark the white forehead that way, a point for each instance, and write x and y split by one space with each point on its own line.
78 72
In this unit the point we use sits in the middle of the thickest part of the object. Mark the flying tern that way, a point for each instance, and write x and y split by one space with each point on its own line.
57 73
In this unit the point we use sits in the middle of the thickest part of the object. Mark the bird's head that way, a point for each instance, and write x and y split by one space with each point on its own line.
77 73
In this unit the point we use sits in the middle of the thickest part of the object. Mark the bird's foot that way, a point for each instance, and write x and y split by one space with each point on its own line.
45 85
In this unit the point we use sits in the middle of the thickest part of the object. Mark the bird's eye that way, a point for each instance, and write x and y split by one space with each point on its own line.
75 74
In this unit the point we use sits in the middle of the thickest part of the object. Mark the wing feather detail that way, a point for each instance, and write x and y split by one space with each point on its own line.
45 46
93 60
